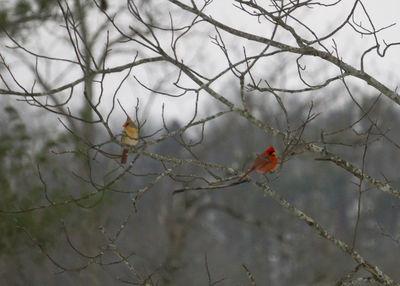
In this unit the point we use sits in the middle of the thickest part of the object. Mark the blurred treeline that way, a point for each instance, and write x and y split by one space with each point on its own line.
170 237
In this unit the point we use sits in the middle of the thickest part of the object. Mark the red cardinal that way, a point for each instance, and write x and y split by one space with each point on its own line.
129 137
264 162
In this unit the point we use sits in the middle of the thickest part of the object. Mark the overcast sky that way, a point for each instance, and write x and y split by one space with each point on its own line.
198 51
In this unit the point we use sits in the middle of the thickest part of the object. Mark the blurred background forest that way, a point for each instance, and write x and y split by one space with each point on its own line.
207 99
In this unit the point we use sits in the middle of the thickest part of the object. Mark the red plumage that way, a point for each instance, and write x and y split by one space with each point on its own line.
264 162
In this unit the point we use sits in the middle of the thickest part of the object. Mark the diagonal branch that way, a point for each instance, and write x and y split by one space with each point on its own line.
378 274
305 50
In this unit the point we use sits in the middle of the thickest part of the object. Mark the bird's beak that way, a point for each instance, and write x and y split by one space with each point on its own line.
126 122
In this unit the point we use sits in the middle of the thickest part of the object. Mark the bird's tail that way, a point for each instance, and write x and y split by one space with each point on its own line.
248 172
124 156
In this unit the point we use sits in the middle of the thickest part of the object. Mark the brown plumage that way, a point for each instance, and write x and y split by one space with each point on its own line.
130 136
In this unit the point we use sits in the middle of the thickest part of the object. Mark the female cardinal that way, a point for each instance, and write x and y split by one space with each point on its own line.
264 162
130 137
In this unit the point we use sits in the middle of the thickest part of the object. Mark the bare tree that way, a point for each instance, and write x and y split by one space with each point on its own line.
209 88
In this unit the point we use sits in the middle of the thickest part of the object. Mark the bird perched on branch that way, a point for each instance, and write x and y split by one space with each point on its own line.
130 136
264 162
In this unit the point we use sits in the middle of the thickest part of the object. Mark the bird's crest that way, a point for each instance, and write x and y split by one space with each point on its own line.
128 120
270 151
